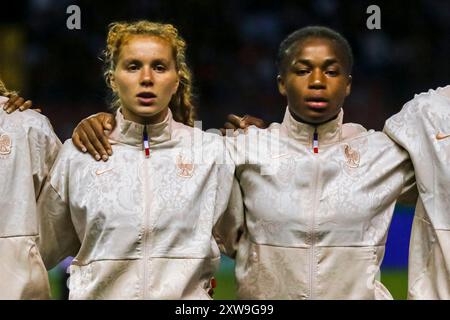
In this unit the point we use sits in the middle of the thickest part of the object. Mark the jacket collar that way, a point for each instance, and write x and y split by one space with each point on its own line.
131 133
328 132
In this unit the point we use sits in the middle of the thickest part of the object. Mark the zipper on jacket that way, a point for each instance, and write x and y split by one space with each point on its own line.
312 262
146 143
315 142
147 203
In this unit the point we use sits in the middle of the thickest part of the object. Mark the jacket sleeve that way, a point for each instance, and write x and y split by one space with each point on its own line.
44 145
57 236
421 127
409 192
230 226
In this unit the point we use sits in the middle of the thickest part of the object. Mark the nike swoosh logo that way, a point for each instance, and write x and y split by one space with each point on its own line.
441 136
99 172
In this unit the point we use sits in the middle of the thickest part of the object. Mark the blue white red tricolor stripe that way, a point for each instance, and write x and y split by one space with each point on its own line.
316 142
146 143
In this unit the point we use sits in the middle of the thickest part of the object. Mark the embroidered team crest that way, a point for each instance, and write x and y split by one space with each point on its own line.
5 144
352 156
185 167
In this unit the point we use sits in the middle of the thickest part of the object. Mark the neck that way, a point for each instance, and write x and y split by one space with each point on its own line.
314 124
313 135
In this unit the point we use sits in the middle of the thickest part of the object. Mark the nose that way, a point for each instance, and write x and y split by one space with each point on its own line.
317 80
147 79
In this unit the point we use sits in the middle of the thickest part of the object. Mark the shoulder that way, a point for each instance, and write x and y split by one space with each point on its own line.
355 133
353 130
184 133
31 129
69 153
70 160
381 143
423 108
439 94
429 101
380 136
274 129
27 120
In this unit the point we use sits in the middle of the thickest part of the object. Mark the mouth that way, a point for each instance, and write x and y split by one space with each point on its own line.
146 98
317 102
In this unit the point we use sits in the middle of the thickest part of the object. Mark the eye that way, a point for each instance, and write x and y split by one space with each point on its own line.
132 67
160 68
332 73
301 72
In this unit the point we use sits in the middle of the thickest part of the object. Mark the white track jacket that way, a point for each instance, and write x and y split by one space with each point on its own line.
28 148
139 228
306 225
422 127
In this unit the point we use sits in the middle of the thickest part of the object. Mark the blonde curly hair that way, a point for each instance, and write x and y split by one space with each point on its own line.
181 104
3 91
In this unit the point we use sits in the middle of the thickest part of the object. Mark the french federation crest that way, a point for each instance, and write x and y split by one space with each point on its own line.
352 156
185 167
5 144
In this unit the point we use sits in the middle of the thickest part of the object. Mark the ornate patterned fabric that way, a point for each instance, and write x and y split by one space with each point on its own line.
139 228
303 225
422 127
28 148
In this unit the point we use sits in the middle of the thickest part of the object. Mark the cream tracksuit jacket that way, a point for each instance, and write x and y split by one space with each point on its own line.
305 225
28 148
139 228
422 127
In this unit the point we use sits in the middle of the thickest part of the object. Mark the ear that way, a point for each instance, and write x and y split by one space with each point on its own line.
177 84
281 85
348 89
112 81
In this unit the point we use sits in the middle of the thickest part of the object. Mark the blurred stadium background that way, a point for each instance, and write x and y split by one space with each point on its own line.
231 50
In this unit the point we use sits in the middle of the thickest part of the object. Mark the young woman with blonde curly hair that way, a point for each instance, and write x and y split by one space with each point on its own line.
140 225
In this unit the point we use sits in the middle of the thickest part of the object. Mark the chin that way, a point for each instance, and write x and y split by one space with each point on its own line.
319 116
148 110
314 117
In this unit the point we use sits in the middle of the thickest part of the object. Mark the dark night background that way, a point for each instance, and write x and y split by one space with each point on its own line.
231 51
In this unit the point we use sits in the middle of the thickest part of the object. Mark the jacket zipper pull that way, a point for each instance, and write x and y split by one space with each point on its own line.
315 141
146 144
